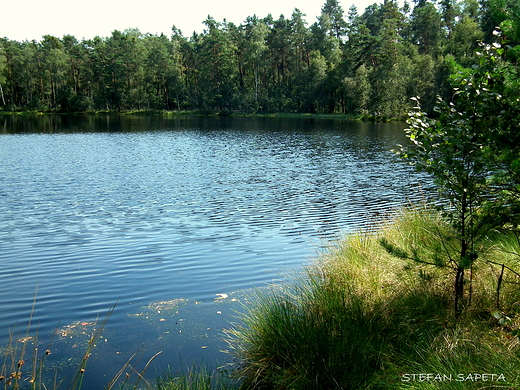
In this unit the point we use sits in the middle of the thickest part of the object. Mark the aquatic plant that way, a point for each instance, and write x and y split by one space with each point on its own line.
25 362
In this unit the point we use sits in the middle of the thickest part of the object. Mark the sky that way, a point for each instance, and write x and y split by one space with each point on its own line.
31 19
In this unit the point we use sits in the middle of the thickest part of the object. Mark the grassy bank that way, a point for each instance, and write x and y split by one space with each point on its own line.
363 319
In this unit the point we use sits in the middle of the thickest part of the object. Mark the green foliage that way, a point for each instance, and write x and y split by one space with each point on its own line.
464 40
426 28
365 64
3 63
459 149
357 91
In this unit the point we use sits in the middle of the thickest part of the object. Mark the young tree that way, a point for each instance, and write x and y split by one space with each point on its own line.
459 150
357 91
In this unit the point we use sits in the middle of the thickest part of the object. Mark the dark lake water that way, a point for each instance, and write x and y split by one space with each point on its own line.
162 214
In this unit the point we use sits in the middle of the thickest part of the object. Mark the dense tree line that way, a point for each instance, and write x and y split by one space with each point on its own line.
369 63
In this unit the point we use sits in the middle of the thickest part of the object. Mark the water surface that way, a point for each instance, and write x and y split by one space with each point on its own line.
140 210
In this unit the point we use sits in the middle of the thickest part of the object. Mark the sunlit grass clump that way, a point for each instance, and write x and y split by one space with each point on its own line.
376 312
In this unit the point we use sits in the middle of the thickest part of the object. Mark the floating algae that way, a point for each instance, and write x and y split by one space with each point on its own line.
183 321
76 329
166 311
162 311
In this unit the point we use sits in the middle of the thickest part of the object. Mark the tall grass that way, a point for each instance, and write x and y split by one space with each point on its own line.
361 318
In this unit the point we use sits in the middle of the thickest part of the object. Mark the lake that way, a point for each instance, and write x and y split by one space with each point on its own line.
162 214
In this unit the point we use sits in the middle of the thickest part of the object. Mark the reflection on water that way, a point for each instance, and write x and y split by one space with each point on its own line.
99 209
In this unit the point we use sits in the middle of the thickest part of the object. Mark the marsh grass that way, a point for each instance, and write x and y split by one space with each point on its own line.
361 318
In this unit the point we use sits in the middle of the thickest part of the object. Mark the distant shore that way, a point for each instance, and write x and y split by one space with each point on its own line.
284 115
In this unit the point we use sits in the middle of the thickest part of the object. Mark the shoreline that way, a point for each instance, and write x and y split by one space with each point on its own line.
281 115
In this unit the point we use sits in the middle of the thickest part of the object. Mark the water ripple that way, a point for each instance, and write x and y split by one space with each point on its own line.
95 218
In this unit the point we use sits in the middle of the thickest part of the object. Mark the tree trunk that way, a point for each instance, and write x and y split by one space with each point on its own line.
2 94
459 277
459 289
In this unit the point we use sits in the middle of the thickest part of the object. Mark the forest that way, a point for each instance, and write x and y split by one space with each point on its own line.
367 63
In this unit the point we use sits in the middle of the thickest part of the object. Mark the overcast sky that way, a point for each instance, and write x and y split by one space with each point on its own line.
31 19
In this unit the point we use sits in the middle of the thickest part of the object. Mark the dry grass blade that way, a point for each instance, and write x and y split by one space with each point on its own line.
141 375
128 364
121 371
